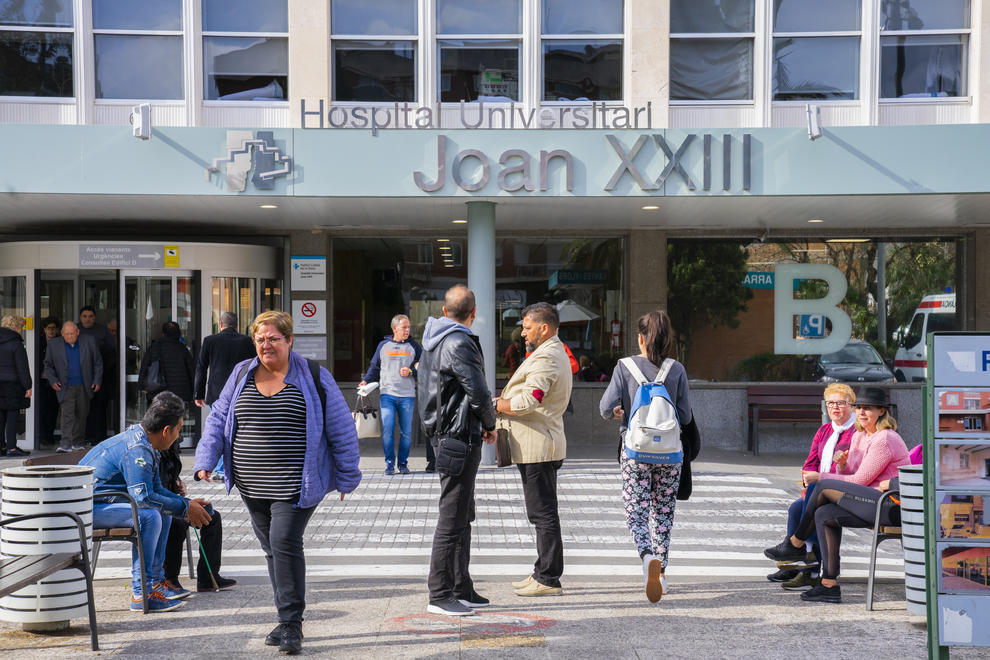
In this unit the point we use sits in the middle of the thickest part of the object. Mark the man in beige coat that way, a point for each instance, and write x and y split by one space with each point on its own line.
531 409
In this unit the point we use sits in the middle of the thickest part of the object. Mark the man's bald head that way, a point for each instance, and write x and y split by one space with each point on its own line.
458 303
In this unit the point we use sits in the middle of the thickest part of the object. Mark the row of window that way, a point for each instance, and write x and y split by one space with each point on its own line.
815 48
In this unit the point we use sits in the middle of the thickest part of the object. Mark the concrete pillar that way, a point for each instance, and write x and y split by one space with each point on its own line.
980 281
648 57
646 279
309 59
481 280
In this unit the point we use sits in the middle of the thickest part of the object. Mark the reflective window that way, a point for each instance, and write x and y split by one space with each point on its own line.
36 13
711 16
479 16
122 67
582 16
711 50
923 66
815 68
816 16
379 18
36 64
582 70
924 14
245 16
374 71
130 15
473 69
233 294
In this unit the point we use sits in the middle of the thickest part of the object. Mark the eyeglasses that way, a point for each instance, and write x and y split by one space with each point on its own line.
836 404
261 341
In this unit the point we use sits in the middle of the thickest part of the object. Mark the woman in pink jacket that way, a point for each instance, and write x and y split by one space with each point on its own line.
849 497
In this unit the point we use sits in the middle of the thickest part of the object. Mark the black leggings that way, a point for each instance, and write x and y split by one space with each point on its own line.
837 504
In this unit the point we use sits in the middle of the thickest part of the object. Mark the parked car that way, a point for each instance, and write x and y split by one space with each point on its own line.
856 362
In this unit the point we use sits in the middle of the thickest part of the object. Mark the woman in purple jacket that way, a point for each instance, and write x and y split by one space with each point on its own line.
286 451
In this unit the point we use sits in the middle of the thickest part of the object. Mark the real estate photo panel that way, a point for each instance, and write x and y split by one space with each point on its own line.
964 568
962 516
962 412
963 464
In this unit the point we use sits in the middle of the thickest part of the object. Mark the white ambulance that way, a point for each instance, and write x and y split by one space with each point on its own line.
934 313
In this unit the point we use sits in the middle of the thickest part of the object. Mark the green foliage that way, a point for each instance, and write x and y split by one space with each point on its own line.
769 367
915 270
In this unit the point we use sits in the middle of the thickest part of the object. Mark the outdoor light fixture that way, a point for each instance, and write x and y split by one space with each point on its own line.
268 206
141 121
814 121
459 222
816 220
443 240
650 208
848 240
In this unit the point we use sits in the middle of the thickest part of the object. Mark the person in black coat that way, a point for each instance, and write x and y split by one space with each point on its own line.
220 353
175 365
15 382
47 402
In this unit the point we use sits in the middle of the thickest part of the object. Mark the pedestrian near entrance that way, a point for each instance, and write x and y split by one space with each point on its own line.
217 357
393 366
530 410
15 383
454 403
47 401
288 441
649 491
74 368
175 365
96 418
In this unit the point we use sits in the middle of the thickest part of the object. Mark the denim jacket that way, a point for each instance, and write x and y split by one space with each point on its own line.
332 455
127 461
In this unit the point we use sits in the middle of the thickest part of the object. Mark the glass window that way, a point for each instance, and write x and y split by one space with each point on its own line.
376 71
36 13
245 16
711 16
36 64
816 16
130 15
924 14
815 68
122 71
922 66
379 18
582 70
582 16
469 69
479 16
711 69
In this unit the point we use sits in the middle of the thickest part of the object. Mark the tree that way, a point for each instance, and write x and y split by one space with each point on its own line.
704 285
915 270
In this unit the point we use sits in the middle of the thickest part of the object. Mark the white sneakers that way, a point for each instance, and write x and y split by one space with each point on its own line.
656 583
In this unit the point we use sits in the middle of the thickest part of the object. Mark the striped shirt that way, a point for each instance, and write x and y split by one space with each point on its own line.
270 443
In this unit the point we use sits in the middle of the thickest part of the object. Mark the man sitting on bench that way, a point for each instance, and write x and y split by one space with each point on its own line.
129 461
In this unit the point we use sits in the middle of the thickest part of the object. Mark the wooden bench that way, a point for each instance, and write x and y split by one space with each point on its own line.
19 572
781 403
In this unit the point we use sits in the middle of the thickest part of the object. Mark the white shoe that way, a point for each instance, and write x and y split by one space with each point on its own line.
652 570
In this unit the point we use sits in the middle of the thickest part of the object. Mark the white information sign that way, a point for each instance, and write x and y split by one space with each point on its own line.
308 273
962 360
309 317
313 347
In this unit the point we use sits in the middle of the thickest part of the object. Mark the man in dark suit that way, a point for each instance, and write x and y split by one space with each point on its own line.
220 354
74 368
96 419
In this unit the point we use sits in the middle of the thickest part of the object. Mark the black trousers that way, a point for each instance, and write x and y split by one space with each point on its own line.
8 426
48 403
279 527
539 482
96 420
449 562
212 537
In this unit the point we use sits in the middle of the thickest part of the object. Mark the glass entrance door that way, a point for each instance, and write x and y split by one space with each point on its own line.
150 301
16 300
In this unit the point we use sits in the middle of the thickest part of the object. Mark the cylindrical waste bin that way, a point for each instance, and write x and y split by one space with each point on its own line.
913 537
61 596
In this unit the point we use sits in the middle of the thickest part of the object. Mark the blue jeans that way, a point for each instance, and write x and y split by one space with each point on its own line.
154 526
796 510
403 405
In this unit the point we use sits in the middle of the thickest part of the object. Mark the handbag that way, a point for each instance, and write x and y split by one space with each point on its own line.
153 379
367 419
452 454
503 453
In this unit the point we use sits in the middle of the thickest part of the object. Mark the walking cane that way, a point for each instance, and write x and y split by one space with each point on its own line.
210 568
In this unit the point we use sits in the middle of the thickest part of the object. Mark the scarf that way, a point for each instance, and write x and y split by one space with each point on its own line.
829 448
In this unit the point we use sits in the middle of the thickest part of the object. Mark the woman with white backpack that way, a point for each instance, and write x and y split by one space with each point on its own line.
649 393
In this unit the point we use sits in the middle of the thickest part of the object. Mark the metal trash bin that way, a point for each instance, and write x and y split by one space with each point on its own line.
913 537
51 602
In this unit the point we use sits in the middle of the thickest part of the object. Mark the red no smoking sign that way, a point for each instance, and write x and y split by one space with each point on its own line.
308 310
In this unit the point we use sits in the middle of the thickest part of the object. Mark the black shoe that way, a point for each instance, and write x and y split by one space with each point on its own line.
17 451
474 601
430 468
449 607
809 561
222 583
292 637
274 638
784 551
782 575
823 594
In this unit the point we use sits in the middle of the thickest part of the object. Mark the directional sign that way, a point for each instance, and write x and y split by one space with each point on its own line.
115 255
309 317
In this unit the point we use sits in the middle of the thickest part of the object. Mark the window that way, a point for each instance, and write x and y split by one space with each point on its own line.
245 50
582 50
36 49
816 50
711 50
374 50
138 49
478 50
923 48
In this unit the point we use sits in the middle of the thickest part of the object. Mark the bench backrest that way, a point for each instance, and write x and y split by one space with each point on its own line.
68 458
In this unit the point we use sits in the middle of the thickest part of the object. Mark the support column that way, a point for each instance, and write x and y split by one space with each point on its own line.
979 291
646 279
481 280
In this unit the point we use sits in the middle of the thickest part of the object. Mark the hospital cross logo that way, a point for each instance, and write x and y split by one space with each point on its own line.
247 150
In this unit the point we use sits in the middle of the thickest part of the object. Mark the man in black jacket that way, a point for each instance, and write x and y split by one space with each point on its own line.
220 354
454 401
96 420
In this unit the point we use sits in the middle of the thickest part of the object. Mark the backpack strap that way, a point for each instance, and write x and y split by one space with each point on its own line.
634 371
664 370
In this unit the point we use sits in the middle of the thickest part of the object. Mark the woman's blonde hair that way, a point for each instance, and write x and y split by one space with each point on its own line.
885 421
843 389
12 322
281 320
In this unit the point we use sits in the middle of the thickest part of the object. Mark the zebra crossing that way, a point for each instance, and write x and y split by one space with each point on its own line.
385 528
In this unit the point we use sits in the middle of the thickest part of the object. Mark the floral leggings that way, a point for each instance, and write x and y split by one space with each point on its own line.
650 494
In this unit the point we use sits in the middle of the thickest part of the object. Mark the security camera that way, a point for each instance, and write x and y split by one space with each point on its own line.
141 121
